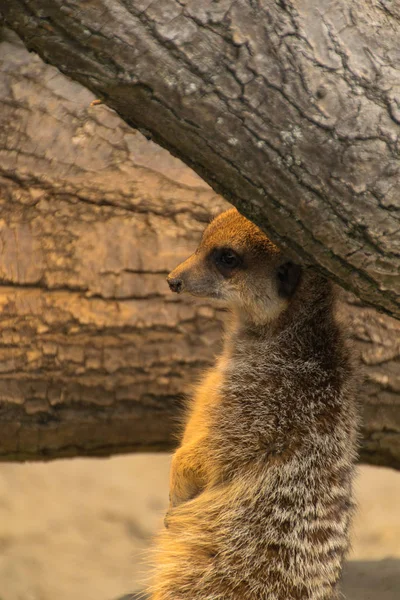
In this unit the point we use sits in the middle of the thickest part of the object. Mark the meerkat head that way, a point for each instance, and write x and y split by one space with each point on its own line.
240 267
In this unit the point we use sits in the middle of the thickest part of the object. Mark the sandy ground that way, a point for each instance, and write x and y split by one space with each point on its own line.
81 529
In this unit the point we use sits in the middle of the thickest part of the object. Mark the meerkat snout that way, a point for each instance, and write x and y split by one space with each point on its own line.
175 284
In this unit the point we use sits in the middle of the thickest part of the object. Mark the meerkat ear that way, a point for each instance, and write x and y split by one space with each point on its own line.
288 276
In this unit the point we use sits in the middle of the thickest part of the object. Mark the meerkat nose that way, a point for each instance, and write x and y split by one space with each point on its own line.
175 285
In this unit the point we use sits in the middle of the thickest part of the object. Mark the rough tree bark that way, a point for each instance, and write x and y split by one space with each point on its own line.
95 353
290 109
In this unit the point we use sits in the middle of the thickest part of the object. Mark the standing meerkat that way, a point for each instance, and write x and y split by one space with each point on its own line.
261 486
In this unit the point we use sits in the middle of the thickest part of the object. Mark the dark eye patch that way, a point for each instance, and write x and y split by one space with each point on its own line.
226 260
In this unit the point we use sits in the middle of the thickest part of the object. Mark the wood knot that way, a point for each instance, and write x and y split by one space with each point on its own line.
321 92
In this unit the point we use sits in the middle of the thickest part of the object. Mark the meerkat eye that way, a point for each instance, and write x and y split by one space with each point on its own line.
288 276
226 260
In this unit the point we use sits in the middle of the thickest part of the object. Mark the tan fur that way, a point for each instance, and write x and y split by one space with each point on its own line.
260 487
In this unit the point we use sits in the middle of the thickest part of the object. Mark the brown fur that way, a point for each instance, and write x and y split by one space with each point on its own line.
260 487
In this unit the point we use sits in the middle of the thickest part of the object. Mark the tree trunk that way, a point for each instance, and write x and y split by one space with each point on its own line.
95 352
289 109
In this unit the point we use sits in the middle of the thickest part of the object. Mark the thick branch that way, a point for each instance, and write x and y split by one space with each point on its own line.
95 353
291 110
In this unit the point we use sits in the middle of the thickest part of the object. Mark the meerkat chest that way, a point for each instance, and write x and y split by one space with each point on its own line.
206 396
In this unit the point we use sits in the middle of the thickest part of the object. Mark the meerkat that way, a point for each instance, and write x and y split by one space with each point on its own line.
261 485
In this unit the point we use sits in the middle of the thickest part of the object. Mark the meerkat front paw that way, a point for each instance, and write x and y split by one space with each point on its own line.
185 479
167 519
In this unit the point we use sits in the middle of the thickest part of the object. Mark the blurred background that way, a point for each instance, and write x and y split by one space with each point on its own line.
92 347
82 529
